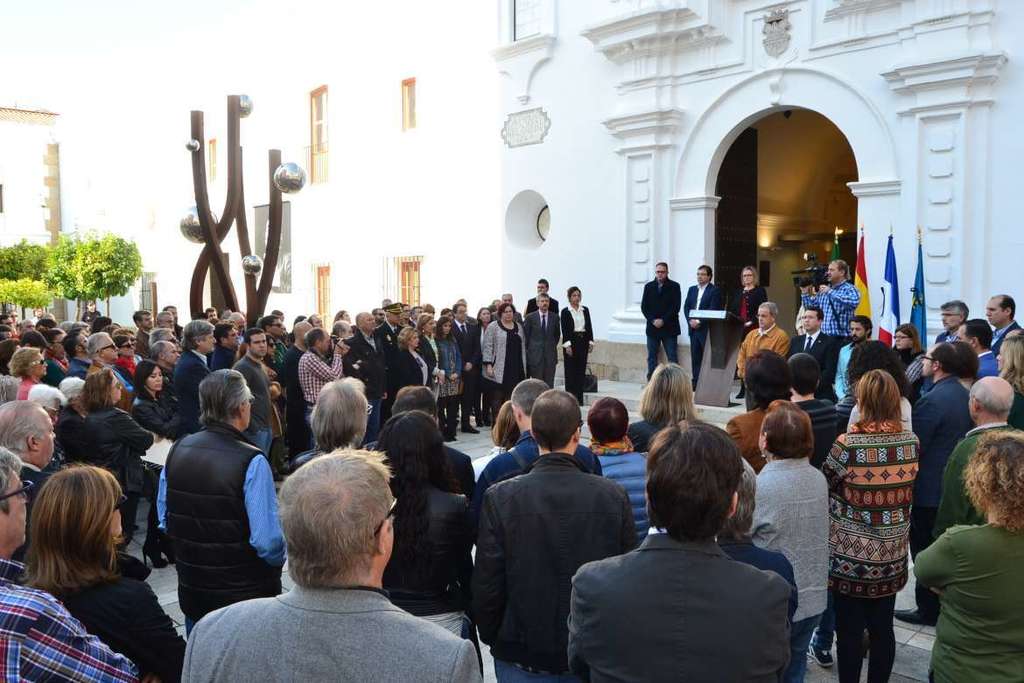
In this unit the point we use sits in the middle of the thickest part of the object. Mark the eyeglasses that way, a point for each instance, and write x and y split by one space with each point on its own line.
927 358
121 500
26 486
109 346
391 513
39 362
126 345
369 408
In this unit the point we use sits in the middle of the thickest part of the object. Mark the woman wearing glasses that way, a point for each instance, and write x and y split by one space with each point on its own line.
126 358
27 365
56 359
75 531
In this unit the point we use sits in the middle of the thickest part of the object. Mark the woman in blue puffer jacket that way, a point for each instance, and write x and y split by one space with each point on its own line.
608 420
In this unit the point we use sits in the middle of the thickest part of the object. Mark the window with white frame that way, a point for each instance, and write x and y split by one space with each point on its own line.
526 15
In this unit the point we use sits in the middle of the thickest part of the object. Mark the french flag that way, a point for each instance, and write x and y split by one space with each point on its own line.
890 314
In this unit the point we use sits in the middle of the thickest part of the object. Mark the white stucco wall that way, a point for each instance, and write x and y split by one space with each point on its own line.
925 92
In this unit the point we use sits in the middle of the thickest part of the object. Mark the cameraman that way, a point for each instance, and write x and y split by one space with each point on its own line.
317 366
838 299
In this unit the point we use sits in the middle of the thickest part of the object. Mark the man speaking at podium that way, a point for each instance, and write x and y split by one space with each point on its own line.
702 296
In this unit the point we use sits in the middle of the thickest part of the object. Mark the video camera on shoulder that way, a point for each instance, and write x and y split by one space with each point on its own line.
814 274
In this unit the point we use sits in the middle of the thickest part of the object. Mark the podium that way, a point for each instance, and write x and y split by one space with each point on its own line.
722 348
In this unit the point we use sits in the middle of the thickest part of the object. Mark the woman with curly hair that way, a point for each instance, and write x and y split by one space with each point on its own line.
430 567
1011 368
978 571
867 356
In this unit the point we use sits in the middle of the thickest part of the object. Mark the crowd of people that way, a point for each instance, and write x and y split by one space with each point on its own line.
662 548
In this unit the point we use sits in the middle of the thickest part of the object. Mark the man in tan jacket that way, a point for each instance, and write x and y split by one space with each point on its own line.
768 336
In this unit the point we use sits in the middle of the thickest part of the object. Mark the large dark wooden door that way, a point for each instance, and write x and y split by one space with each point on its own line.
736 218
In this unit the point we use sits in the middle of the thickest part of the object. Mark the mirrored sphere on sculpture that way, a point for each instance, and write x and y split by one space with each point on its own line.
192 145
252 264
190 227
244 105
289 177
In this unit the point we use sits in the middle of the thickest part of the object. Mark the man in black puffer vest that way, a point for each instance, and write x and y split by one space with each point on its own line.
221 508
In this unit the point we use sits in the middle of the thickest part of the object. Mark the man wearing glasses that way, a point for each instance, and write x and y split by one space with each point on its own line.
78 358
27 431
273 326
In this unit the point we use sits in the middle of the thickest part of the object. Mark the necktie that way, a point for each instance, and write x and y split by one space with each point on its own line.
807 343
543 323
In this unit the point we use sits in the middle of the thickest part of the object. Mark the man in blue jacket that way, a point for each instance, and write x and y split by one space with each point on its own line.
191 369
519 458
941 418
701 296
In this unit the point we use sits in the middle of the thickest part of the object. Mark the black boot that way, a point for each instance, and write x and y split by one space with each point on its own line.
151 553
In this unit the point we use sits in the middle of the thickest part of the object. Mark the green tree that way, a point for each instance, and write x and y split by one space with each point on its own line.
107 266
23 260
25 292
61 273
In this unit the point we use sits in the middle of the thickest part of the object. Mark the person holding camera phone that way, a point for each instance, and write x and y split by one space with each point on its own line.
317 366
838 299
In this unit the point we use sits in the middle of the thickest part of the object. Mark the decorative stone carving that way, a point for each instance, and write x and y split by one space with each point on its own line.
528 127
776 31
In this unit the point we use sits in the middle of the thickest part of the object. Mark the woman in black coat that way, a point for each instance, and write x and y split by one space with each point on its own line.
412 369
153 408
745 302
73 555
430 568
577 342
116 442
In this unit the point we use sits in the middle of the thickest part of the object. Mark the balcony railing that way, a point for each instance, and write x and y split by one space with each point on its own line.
316 158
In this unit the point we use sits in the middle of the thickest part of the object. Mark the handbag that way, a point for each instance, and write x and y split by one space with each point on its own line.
589 382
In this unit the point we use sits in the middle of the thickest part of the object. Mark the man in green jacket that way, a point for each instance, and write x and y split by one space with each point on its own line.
991 399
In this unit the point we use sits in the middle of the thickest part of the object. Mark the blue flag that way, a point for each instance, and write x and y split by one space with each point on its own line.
918 311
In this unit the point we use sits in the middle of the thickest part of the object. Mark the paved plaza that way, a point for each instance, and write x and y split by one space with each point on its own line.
914 643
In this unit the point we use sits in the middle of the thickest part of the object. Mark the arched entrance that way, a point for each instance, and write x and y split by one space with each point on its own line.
810 94
784 193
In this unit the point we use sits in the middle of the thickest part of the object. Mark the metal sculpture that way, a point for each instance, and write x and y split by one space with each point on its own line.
201 225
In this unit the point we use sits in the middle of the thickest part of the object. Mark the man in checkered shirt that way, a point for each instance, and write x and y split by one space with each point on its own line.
838 300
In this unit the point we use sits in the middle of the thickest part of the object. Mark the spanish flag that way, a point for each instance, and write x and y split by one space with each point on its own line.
860 280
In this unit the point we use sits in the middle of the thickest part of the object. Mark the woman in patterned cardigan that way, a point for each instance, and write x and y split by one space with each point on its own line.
870 472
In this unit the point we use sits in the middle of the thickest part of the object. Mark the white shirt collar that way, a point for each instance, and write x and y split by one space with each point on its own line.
764 332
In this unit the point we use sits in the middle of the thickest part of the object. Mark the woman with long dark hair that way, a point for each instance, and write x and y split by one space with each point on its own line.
449 381
154 409
430 567
907 342
485 417
577 342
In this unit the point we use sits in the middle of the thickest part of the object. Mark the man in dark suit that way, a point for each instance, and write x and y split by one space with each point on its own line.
1000 310
954 313
386 335
942 417
197 342
660 305
542 332
365 361
468 336
542 288
702 296
824 348
705 616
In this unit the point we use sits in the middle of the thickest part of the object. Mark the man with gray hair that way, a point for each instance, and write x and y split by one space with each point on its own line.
27 431
218 505
990 403
767 337
162 334
337 623
954 314
191 369
42 641
166 354
103 352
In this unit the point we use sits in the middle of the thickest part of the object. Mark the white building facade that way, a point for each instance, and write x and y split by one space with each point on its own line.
897 115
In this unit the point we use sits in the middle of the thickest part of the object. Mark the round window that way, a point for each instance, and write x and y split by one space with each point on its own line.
543 223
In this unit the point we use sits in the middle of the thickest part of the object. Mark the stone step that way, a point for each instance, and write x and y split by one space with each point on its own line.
629 393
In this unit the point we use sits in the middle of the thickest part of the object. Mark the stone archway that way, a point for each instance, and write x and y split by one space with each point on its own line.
692 224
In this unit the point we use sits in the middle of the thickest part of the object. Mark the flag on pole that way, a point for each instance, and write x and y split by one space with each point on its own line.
918 315
860 280
835 245
889 319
